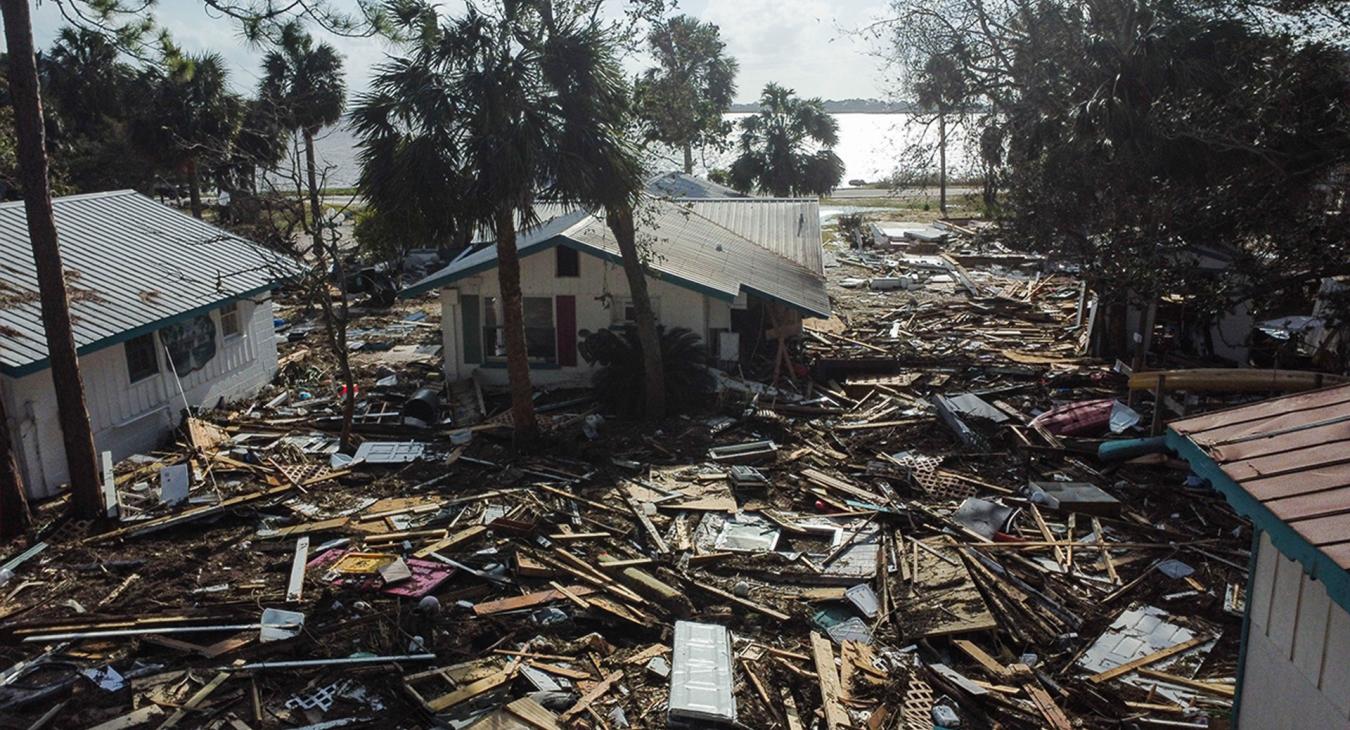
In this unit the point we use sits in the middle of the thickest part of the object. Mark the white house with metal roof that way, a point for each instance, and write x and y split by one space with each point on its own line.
722 267
166 310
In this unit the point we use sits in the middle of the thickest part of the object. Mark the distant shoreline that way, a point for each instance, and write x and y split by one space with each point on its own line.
838 108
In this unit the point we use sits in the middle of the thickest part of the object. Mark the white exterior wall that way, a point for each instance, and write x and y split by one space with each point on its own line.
676 306
1297 668
134 417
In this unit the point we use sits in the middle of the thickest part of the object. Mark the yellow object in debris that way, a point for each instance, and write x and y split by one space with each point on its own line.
363 563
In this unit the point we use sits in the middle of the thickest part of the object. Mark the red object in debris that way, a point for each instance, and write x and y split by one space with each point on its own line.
342 390
1001 536
1076 419
822 507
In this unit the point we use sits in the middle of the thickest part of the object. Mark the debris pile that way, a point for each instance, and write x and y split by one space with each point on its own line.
920 533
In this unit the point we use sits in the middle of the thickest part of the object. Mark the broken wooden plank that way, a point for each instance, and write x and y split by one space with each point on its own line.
658 542
529 600
828 675
1045 704
195 700
296 586
1146 660
167 521
982 658
596 693
451 541
1222 690
472 690
771 613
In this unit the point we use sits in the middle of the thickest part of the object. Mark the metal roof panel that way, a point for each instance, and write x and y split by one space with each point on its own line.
130 262
1290 455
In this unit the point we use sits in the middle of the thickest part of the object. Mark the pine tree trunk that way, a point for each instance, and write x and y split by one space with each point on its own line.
335 323
654 375
942 163
513 329
76 433
14 515
688 159
194 188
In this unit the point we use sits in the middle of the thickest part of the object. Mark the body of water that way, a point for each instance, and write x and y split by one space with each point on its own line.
872 146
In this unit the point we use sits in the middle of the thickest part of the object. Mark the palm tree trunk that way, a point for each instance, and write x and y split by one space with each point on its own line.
513 329
14 515
942 162
334 322
76 433
688 159
194 188
654 372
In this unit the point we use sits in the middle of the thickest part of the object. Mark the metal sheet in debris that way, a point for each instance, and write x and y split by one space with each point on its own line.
700 676
748 533
389 452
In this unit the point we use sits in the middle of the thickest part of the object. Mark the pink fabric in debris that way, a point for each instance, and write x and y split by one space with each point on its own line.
1077 419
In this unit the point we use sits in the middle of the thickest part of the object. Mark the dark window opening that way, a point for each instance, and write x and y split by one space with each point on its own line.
141 360
541 343
569 261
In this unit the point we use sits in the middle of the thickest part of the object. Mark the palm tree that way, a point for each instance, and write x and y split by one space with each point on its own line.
191 117
305 85
84 74
491 115
786 149
682 100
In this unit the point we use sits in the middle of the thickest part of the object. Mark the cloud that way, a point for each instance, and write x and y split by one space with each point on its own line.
809 45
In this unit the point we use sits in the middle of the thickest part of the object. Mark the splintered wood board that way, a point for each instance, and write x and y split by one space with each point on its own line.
945 600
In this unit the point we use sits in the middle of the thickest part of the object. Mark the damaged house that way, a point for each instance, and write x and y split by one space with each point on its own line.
167 311
732 270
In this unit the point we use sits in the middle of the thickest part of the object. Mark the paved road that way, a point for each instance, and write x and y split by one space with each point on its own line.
856 193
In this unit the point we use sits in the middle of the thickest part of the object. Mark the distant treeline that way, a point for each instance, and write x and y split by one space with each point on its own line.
848 106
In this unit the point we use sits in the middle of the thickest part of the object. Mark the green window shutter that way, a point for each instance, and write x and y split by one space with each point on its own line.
473 328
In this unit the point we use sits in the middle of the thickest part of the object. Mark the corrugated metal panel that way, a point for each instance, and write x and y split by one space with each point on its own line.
688 248
131 263
788 227
680 185
1292 455
700 674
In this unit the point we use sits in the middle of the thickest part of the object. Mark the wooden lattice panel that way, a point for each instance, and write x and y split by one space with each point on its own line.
932 480
918 709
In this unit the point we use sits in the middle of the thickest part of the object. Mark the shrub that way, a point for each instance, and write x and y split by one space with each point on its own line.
619 381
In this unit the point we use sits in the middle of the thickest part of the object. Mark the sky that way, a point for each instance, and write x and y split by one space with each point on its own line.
812 46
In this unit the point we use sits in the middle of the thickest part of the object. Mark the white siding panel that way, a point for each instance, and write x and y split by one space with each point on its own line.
130 417
1310 633
1285 606
1297 666
679 307
1336 662
1263 583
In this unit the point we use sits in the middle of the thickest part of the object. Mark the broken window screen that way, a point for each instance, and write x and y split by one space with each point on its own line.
568 260
229 319
141 360
541 339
